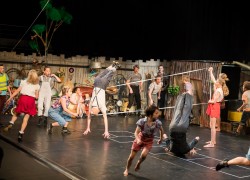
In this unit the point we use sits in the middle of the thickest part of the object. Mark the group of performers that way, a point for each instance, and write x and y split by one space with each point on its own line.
35 87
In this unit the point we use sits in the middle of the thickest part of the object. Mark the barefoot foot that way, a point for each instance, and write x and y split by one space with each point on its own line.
125 173
137 167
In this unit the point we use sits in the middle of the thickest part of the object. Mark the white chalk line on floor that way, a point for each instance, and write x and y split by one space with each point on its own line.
170 154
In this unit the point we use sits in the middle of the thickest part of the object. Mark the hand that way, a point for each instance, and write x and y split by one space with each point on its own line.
210 69
192 152
159 141
239 109
211 101
131 91
106 135
8 101
138 141
86 131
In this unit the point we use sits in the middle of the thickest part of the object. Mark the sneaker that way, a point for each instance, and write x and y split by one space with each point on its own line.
39 120
50 128
221 165
116 65
20 137
9 126
45 122
65 130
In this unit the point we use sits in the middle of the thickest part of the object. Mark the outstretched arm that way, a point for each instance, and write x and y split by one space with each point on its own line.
211 74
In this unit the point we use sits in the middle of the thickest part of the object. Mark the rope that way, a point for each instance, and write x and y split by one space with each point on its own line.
162 77
30 26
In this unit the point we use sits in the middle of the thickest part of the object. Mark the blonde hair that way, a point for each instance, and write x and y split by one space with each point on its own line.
186 78
223 76
225 89
65 89
33 77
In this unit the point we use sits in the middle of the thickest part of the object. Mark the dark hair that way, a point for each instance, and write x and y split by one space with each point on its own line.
45 67
160 66
75 89
136 66
150 110
1 64
158 76
246 85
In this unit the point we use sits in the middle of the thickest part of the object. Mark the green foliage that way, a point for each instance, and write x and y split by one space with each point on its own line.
43 2
39 28
44 33
34 45
173 90
65 16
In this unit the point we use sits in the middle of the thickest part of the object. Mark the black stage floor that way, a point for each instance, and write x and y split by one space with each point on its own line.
75 156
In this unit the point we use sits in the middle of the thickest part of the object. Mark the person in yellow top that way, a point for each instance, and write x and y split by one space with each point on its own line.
4 88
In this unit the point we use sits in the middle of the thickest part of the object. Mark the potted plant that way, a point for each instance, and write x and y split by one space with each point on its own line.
173 90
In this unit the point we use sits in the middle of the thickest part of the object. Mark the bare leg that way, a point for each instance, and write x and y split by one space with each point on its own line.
129 162
142 158
14 118
213 133
239 161
25 122
88 125
218 124
240 127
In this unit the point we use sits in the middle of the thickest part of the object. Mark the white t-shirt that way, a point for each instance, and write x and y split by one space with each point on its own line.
29 89
220 91
155 87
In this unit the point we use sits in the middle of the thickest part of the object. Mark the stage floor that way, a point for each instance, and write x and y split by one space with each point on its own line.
76 156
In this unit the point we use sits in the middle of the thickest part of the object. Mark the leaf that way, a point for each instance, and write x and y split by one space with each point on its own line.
66 17
34 45
48 6
38 28
54 15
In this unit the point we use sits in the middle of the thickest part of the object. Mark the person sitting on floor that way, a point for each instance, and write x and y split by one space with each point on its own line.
60 113
245 161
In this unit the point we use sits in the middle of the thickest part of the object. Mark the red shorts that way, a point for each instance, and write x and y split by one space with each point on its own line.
213 110
146 142
26 105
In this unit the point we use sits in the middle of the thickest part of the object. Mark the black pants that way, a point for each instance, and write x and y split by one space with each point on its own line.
162 100
135 96
179 125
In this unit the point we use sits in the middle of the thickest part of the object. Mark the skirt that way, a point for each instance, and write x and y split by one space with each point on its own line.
26 105
213 110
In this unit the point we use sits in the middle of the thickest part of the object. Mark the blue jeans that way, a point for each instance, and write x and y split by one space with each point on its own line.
58 116
248 154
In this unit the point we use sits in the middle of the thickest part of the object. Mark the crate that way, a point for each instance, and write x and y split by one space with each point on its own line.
226 126
234 116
